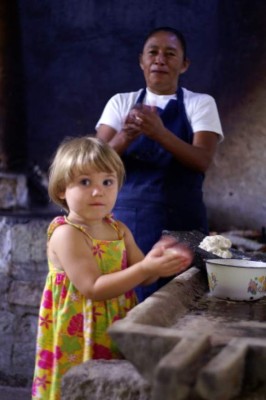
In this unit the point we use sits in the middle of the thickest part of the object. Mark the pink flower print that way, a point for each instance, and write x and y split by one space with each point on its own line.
75 326
101 352
129 294
124 260
63 292
47 299
116 318
58 353
45 321
59 278
39 382
97 251
47 358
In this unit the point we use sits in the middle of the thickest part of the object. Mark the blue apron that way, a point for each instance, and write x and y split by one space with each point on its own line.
160 193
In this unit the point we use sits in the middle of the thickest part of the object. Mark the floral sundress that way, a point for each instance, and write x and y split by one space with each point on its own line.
71 328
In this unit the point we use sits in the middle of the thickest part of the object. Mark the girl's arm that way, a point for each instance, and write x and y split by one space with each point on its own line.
69 249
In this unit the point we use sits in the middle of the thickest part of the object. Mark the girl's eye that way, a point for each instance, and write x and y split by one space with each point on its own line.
85 182
108 182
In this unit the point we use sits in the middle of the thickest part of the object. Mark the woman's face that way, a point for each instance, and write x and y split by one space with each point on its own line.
162 61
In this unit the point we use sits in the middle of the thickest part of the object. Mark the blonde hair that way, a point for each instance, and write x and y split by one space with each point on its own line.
77 155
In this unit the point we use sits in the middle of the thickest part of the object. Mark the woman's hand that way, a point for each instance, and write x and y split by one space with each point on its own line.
196 156
144 119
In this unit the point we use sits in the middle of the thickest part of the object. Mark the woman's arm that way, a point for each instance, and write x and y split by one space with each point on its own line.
197 156
119 141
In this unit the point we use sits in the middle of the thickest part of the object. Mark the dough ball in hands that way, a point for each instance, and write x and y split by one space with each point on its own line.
166 241
170 245
182 251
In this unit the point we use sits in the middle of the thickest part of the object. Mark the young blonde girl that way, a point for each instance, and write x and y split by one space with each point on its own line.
89 284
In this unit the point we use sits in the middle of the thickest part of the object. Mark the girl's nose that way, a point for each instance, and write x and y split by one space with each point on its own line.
96 191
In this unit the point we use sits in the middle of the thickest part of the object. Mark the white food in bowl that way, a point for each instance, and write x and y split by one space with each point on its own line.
218 245
236 279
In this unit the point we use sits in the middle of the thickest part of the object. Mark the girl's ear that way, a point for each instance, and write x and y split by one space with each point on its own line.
62 196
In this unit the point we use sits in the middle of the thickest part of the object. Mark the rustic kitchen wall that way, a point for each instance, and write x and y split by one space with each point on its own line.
236 184
23 268
76 54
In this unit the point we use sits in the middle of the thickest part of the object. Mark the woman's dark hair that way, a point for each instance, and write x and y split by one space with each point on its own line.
179 35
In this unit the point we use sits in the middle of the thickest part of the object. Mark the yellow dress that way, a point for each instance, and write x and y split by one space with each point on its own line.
71 328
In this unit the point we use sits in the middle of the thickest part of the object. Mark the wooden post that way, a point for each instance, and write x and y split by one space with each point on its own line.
13 145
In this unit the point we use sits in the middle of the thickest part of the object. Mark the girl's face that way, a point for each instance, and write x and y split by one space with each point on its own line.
162 61
92 195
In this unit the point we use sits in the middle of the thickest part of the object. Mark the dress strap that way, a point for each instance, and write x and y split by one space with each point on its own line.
110 220
62 220
57 221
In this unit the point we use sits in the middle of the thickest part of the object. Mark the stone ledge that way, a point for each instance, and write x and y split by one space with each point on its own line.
197 350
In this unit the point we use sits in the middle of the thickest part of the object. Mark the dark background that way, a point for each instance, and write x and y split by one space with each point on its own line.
71 56
60 61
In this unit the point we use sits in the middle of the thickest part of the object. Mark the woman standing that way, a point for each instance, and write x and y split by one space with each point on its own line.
167 137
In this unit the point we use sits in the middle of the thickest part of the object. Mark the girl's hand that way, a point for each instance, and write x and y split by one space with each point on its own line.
166 260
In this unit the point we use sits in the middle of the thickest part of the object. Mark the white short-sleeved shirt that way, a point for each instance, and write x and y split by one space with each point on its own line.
200 108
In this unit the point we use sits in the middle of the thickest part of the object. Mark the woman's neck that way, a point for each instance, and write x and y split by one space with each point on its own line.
161 92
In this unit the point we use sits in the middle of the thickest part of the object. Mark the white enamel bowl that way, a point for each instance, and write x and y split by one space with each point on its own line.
236 279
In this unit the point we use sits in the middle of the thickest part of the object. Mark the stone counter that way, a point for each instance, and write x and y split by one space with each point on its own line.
182 344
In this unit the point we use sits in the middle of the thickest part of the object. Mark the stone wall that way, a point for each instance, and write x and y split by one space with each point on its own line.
23 268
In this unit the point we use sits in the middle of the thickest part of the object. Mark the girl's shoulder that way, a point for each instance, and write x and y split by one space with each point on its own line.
57 221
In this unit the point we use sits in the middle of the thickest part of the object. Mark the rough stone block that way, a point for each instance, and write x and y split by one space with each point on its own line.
136 341
7 321
256 360
175 374
24 360
222 377
13 191
100 379
25 293
5 246
29 241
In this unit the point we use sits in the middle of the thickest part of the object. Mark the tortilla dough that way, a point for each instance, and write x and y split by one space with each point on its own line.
218 245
